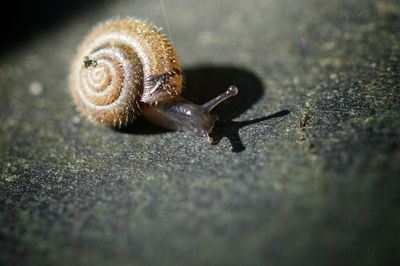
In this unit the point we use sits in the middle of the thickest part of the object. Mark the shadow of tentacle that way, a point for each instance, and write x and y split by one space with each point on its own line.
205 82
230 130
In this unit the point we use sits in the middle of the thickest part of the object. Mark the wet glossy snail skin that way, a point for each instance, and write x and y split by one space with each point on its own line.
125 68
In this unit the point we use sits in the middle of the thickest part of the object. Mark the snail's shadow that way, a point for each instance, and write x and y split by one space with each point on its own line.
203 83
230 130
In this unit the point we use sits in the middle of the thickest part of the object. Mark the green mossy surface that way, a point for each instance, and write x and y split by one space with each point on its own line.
307 172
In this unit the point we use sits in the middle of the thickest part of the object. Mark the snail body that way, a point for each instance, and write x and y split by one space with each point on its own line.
125 68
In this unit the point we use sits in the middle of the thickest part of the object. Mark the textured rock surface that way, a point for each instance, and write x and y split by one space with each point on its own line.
305 173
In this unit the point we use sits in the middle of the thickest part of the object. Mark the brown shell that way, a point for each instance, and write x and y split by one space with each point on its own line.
122 65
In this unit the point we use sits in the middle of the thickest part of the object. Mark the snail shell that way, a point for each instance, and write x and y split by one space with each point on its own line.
121 66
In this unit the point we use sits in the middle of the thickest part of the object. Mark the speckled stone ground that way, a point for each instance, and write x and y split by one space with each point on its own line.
304 170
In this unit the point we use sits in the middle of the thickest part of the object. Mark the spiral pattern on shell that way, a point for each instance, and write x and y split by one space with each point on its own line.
122 65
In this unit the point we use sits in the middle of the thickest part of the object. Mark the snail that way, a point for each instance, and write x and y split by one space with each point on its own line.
127 68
